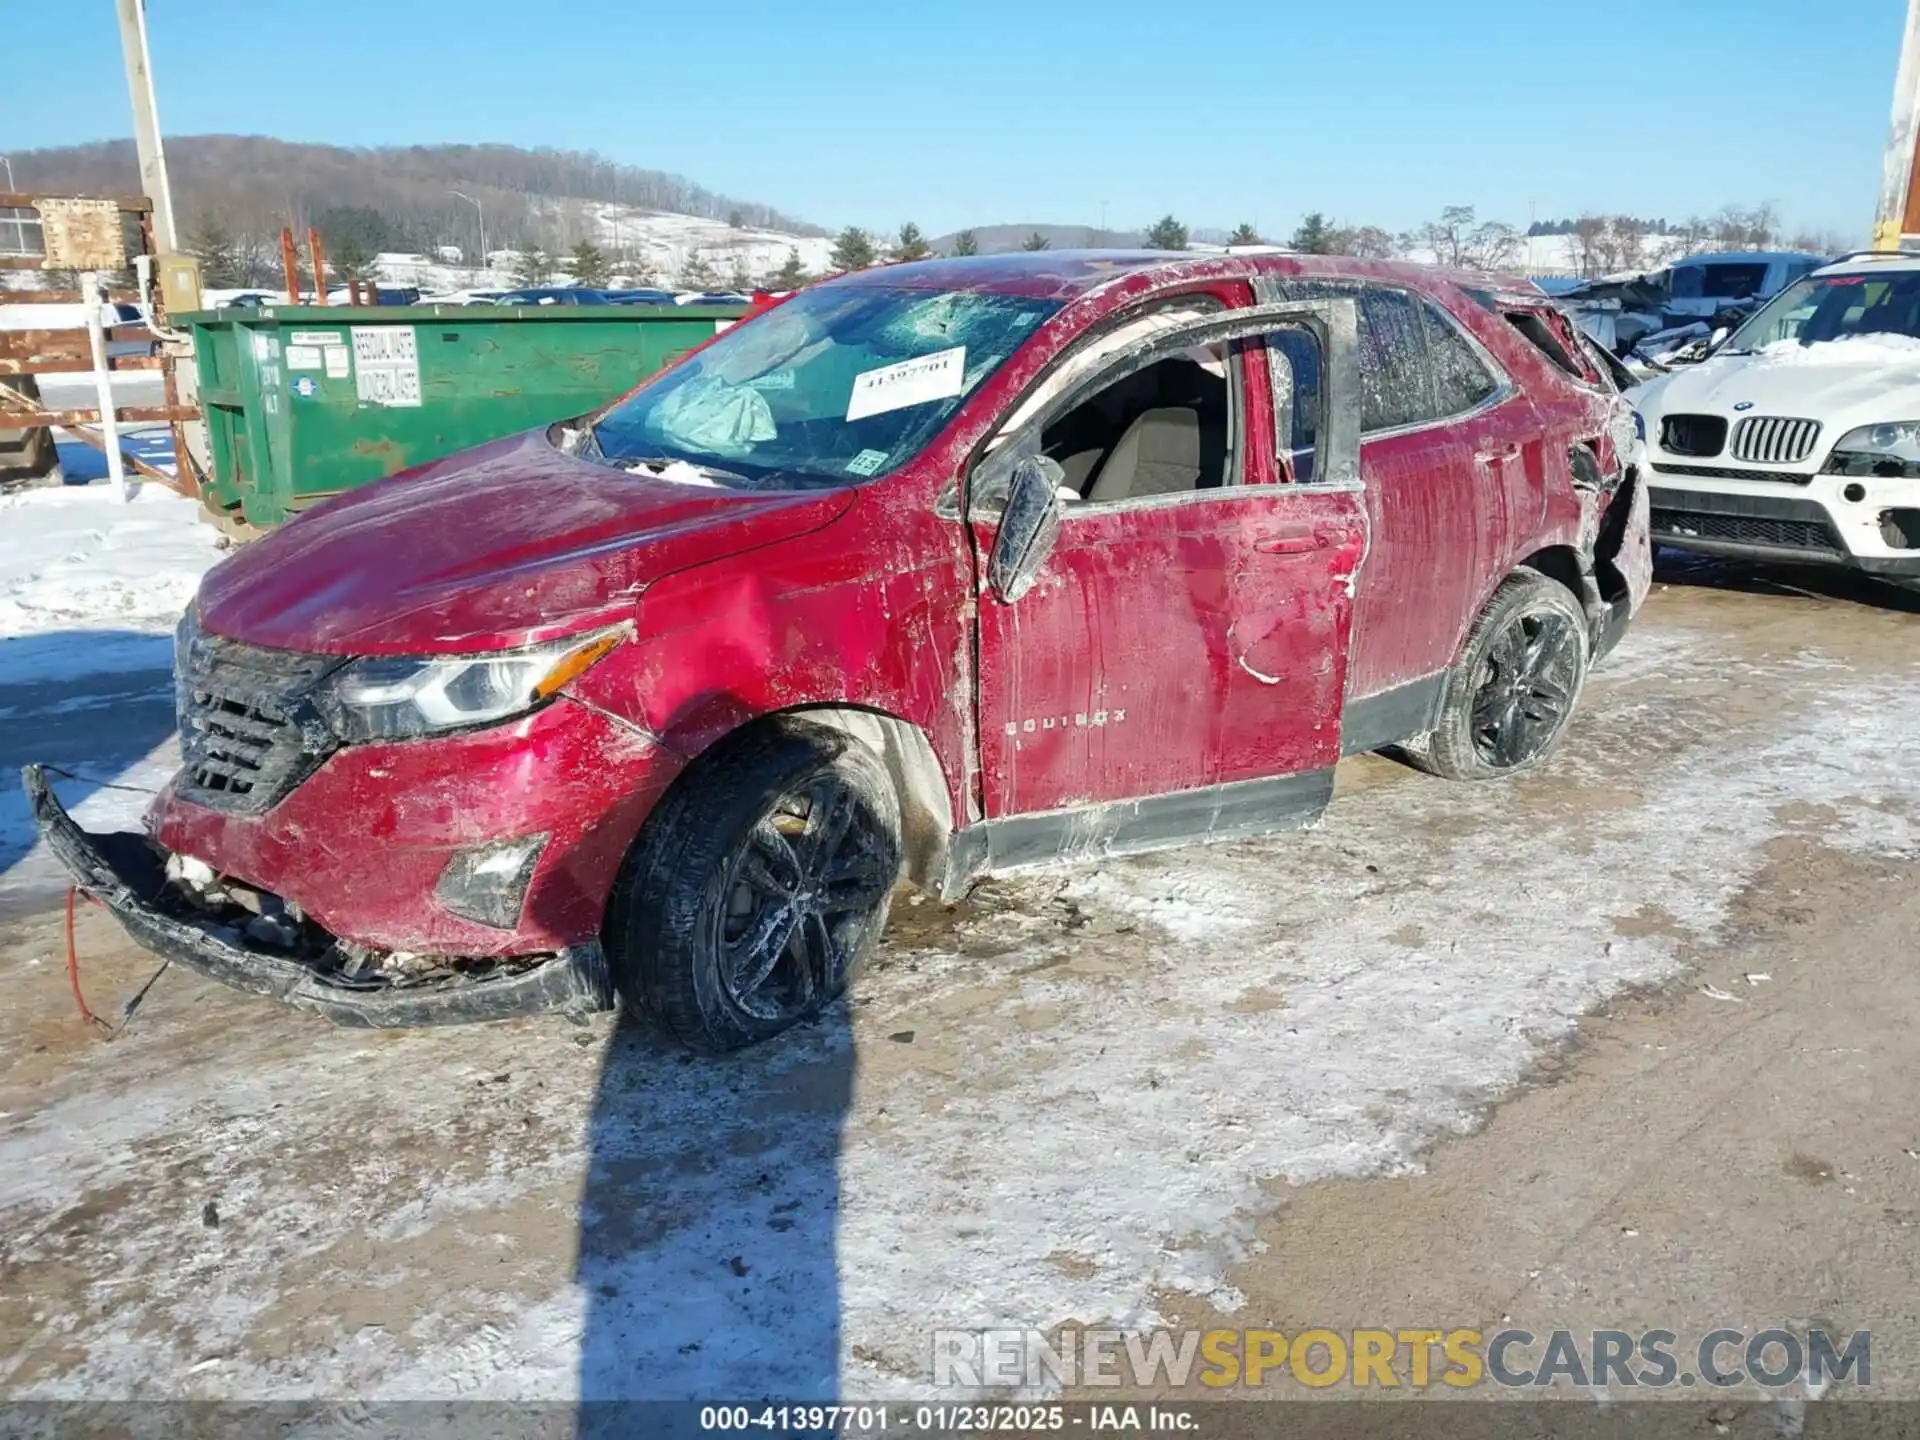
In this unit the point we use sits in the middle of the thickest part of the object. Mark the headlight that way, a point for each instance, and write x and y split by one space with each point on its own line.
1898 441
379 698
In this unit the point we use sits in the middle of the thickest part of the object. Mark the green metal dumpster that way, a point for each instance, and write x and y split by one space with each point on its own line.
303 402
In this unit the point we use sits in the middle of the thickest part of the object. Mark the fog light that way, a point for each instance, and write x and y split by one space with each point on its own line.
488 884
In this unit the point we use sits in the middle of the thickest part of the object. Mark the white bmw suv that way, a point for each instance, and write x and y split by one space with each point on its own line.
1798 438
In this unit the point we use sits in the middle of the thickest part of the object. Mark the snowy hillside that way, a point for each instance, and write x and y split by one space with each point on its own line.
665 243
658 245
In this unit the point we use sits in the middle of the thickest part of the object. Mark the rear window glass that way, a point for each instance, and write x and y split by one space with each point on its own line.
1460 381
1734 281
1395 387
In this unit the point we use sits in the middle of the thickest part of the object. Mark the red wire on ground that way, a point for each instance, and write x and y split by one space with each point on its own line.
73 968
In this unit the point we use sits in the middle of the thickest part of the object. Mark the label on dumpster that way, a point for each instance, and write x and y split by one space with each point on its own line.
911 382
386 365
303 357
316 337
339 361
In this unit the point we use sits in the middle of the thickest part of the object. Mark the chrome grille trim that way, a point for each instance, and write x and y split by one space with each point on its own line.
1774 439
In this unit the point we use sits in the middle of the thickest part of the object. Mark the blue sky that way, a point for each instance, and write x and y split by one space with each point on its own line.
953 112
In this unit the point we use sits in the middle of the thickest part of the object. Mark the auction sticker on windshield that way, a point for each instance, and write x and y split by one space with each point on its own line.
911 382
386 363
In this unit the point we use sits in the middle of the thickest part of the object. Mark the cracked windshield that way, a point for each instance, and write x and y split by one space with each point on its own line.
833 387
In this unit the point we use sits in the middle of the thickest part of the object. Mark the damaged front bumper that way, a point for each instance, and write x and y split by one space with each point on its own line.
125 872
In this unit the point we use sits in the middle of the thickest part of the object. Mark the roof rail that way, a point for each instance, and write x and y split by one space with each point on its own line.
1875 255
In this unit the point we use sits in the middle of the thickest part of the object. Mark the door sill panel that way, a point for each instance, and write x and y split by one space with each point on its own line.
1233 811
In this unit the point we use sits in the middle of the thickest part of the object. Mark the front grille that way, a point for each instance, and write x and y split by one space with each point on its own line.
1772 440
1726 472
1701 436
1746 530
248 733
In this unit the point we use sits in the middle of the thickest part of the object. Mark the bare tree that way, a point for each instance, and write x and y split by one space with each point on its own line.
1627 239
1445 237
1460 240
1695 234
1746 228
1364 242
1822 242
1493 245
1589 245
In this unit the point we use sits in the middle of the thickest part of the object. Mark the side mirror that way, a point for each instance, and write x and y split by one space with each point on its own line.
1029 526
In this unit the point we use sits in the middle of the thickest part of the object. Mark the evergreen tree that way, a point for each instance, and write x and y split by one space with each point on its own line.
790 276
349 259
852 249
1245 235
591 267
1036 241
911 244
966 243
1315 236
737 277
697 273
736 220
363 225
1166 233
222 265
531 268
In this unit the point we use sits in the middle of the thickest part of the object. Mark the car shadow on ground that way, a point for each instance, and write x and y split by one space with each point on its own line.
709 1224
1756 577
94 704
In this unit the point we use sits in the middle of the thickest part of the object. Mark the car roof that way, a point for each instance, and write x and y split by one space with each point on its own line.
1746 257
1068 274
1898 261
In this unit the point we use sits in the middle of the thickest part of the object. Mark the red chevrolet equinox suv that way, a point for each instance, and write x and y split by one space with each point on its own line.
929 572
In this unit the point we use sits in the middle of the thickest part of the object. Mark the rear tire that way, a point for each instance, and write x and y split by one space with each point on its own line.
757 887
1507 700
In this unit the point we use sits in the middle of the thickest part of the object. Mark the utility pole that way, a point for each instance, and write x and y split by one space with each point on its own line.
1898 213
481 216
146 122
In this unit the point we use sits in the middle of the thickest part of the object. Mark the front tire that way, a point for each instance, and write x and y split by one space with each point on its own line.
1507 700
757 887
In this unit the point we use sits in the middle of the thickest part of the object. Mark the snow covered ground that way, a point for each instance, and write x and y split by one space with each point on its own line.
91 585
1074 1097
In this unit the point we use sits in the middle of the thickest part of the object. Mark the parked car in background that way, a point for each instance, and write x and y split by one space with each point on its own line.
640 297
128 333
1621 311
713 297
552 295
935 570
1798 437
462 297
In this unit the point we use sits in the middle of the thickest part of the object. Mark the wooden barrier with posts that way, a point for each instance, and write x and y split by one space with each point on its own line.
88 247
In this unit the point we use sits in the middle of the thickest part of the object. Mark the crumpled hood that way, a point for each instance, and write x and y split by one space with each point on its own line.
498 546
1842 384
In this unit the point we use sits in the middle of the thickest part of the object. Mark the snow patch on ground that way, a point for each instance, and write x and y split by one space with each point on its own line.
78 559
91 586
